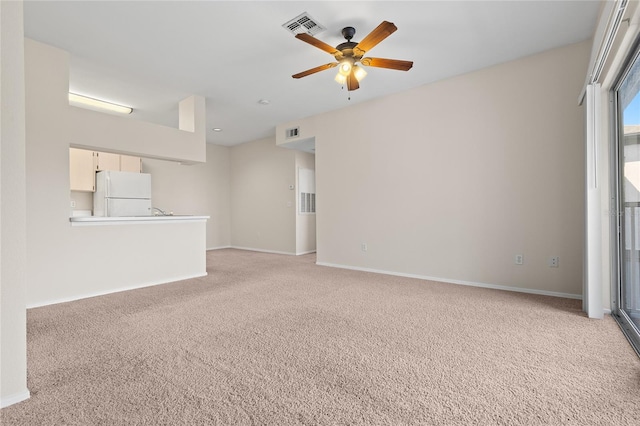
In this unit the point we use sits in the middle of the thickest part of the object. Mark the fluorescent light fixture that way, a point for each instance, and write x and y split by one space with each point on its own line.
92 103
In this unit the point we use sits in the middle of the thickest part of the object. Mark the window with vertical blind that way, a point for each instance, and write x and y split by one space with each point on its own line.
626 163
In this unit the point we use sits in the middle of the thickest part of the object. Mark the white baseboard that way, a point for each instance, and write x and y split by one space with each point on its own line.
218 248
607 311
458 282
110 291
263 251
14 399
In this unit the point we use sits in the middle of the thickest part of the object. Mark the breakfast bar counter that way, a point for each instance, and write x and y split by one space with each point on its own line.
102 220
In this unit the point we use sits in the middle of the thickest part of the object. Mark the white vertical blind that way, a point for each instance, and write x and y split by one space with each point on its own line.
592 281
603 40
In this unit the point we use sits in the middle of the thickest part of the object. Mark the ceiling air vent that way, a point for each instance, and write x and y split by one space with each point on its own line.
304 24
293 132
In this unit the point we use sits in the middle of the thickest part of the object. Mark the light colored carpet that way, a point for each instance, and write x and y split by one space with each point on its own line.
276 340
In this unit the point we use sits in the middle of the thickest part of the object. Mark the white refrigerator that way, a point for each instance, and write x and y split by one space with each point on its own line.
122 194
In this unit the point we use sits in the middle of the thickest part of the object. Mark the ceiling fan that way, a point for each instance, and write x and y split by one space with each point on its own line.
349 53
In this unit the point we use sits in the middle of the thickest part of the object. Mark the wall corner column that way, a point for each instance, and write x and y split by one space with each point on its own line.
13 315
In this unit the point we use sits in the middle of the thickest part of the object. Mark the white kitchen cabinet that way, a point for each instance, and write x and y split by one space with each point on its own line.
106 161
129 163
84 163
81 170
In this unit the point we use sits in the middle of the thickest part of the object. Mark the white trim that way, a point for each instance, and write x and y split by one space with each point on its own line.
263 250
603 38
458 282
115 290
14 399
218 248
607 311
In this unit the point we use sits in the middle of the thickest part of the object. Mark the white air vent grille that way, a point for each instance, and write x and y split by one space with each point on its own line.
304 24
293 132
307 202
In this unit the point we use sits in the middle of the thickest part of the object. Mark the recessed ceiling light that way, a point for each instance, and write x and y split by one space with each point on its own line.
264 102
217 129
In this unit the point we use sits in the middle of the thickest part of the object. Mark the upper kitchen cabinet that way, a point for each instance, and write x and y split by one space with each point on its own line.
81 170
83 165
130 164
106 161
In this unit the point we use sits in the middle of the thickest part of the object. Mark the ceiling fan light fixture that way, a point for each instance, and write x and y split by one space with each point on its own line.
345 67
359 73
341 79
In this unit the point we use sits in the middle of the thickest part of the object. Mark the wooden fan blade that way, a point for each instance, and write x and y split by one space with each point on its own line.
352 82
318 43
382 31
393 64
315 70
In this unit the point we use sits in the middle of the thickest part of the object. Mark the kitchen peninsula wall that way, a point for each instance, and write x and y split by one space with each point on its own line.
183 189
65 262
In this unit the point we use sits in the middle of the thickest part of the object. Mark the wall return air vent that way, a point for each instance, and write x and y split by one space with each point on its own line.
304 24
293 132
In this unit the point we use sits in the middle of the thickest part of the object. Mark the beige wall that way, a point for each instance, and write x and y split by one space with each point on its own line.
200 189
305 223
65 262
96 130
13 255
451 180
263 212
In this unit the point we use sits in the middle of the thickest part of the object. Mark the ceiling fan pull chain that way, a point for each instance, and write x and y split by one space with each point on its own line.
348 93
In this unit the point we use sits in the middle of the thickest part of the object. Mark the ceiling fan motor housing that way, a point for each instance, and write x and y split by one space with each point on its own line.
346 45
346 48
348 33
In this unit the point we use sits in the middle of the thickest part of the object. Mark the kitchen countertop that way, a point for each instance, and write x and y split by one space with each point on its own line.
101 220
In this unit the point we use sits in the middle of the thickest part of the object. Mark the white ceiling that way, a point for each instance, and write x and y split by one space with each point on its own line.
152 54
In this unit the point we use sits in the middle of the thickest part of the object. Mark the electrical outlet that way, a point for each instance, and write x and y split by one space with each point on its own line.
73 204
519 259
363 247
554 262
